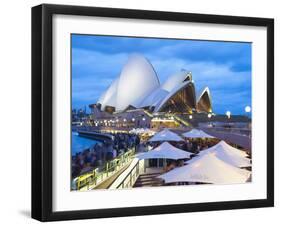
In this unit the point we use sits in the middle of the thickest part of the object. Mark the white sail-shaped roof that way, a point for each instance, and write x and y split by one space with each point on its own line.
207 169
138 86
203 101
176 80
109 97
137 80
100 100
201 93
154 98
173 92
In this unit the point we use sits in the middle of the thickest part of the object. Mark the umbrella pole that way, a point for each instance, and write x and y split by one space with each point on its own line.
144 165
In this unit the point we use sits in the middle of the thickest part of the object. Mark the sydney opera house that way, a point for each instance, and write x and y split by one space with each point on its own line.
138 87
145 131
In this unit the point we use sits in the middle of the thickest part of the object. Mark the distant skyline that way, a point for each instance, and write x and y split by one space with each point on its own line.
225 67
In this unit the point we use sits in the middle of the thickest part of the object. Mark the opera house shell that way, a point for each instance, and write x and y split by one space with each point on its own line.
138 87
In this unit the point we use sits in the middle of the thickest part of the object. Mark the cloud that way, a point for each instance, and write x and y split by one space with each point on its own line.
87 61
92 73
224 67
234 53
229 89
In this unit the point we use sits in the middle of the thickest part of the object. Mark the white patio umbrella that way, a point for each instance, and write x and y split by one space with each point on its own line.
196 133
165 151
207 169
166 135
229 154
231 149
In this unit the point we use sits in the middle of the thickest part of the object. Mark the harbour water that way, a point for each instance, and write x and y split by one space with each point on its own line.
81 143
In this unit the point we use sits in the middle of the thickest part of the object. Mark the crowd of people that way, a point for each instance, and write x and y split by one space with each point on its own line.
96 155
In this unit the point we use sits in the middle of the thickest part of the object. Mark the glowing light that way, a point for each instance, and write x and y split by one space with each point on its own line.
228 113
190 117
248 109
124 120
209 115
162 120
143 119
133 119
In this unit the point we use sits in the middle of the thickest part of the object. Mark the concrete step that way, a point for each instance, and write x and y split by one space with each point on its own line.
148 180
150 184
149 175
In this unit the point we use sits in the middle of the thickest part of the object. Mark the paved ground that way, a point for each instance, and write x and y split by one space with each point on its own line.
106 183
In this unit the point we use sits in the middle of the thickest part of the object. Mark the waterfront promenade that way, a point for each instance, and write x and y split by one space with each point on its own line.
101 169
97 163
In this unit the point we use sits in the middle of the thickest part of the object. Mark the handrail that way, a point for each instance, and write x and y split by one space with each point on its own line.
94 177
131 177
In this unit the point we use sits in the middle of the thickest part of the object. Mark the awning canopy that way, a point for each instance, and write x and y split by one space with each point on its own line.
229 154
165 151
166 135
196 133
207 169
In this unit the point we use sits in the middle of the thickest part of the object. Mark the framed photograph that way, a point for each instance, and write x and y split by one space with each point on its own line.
145 112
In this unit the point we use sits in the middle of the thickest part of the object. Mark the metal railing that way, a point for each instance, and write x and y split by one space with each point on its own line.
93 178
132 176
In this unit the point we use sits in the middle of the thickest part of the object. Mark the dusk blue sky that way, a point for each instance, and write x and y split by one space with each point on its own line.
225 67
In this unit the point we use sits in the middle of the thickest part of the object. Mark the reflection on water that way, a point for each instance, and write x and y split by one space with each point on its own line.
80 143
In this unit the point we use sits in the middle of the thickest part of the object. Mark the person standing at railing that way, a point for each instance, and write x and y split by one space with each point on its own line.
114 153
137 142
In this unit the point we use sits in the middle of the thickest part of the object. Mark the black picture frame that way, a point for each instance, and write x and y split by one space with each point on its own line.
42 111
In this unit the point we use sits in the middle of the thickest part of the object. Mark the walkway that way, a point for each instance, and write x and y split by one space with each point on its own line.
109 181
235 138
